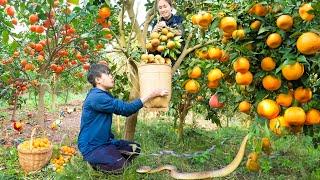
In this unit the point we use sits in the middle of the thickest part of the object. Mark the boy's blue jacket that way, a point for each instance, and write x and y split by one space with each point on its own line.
96 119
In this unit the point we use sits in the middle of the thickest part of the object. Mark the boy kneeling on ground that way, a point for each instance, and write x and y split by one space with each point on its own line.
96 141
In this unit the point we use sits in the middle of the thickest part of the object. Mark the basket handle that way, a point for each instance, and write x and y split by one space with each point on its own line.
32 134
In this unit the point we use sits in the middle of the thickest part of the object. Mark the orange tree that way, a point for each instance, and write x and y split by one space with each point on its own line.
264 60
58 41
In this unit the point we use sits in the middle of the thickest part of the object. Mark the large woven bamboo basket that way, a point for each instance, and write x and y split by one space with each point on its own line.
152 76
33 159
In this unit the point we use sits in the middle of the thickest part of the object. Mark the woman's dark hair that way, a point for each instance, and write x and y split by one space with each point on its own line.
168 1
95 71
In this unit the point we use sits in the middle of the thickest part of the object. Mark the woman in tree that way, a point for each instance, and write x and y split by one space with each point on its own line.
167 19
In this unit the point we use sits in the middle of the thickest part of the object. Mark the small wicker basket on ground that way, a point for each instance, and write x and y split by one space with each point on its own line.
32 159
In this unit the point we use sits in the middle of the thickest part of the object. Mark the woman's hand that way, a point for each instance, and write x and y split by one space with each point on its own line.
159 26
154 93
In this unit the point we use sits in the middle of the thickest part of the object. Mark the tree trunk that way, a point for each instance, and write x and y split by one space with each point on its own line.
131 121
180 128
183 111
53 94
15 103
67 96
41 105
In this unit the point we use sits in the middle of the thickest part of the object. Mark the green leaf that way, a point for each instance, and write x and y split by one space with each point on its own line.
75 2
85 35
14 45
50 2
263 29
5 36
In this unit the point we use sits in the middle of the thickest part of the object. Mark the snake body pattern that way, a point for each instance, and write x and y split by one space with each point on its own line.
202 174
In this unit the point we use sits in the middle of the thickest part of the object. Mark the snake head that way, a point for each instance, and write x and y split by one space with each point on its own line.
143 169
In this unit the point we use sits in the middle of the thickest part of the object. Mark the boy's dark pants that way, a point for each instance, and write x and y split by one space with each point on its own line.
114 157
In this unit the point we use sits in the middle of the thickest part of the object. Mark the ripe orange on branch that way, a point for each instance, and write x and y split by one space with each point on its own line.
33 18
284 99
244 78
303 12
195 72
268 108
285 22
244 106
228 24
308 43
294 116
268 64
104 12
192 86
292 71
274 40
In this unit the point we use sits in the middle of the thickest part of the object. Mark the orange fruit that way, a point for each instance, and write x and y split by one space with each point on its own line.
274 40
303 95
29 66
40 29
292 71
3 2
259 10
38 47
14 21
214 53
195 72
313 117
242 65
192 86
205 19
33 18
228 24
268 64
271 83
171 44
10 11
195 19
213 84
277 125
303 12
268 108
285 22
104 12
154 35
294 116
244 78
244 106
224 57
215 74
238 34
202 54
284 99
308 43
23 62
255 25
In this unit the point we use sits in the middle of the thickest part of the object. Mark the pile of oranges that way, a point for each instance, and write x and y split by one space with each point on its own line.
66 152
162 46
38 143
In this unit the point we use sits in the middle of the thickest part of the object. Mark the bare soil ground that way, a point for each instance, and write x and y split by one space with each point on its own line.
70 124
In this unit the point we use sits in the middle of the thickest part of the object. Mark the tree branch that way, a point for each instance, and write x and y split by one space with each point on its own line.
186 50
150 15
129 7
122 39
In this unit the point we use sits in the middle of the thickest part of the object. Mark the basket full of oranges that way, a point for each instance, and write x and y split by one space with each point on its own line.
35 153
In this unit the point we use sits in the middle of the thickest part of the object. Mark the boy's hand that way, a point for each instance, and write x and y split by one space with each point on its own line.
154 93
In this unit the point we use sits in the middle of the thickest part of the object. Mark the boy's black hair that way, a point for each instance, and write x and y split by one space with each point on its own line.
95 71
